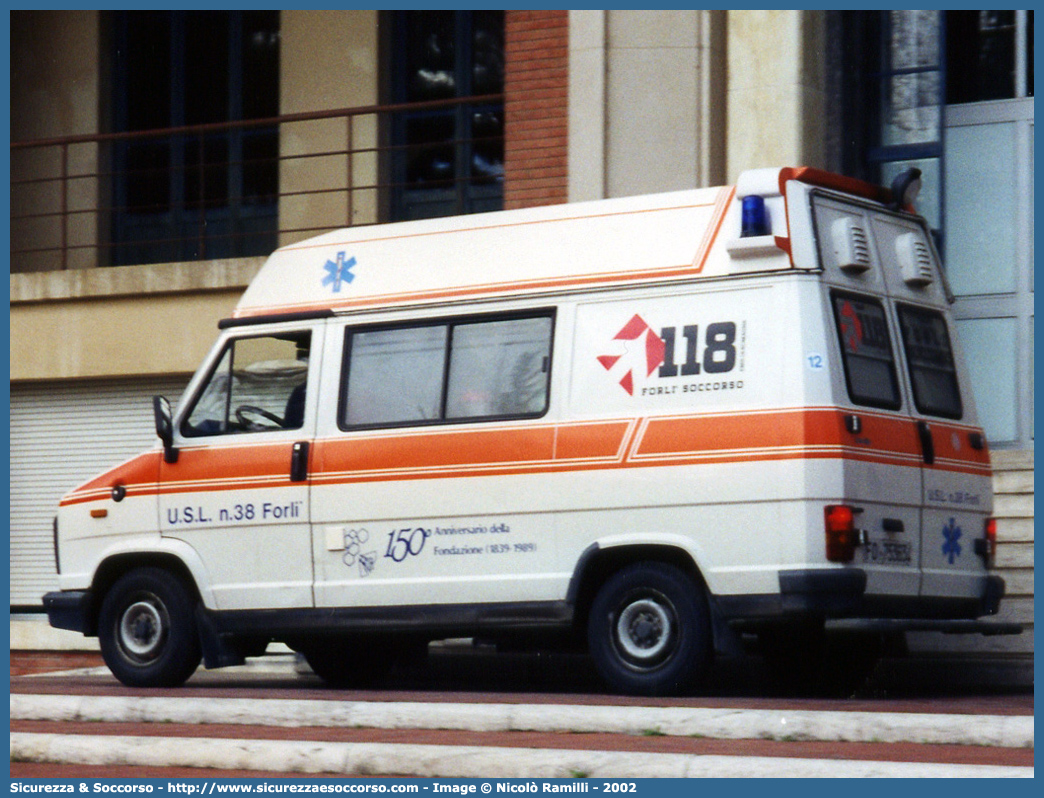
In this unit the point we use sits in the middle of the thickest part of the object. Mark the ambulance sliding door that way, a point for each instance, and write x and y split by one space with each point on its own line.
429 475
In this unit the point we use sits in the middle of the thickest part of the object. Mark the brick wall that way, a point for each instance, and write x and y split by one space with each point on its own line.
536 86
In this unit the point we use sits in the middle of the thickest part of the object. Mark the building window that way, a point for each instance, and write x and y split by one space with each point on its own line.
446 160
200 195
951 93
981 55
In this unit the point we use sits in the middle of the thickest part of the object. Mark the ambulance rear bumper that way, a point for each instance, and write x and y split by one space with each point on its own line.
840 594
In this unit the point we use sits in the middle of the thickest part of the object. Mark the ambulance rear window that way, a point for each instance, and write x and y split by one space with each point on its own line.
929 357
866 350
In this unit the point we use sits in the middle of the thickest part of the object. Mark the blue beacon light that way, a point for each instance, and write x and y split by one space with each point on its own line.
755 218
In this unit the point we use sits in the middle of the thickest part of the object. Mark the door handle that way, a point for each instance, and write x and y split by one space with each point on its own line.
927 444
299 462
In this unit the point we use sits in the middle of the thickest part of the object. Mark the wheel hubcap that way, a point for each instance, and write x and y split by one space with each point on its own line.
644 631
142 631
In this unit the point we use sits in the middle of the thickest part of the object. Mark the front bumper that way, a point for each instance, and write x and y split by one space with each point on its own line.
70 609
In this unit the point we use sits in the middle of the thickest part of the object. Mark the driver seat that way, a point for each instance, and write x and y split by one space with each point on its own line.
293 418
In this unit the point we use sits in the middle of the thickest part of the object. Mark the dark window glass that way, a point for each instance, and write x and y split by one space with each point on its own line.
206 195
980 56
866 351
260 100
1029 53
929 357
258 386
453 371
447 160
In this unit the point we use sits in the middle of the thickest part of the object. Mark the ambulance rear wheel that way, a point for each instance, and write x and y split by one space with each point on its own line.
649 630
147 629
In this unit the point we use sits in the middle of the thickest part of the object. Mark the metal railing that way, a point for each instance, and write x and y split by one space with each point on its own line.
241 188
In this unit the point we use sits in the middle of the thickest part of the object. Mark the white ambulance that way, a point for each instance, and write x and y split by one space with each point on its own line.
646 426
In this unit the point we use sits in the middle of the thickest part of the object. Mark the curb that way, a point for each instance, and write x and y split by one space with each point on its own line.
1007 731
428 761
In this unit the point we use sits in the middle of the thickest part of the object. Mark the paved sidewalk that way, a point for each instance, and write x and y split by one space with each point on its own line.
448 761
1014 731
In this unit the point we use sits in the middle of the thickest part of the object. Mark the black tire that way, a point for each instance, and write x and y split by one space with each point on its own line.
344 662
147 629
649 630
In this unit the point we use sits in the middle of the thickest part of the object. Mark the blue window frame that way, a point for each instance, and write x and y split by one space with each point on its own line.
951 92
910 65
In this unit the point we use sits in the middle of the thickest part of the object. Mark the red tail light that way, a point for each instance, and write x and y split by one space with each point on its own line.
989 543
841 535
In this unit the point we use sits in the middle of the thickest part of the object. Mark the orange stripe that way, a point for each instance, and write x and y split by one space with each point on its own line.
721 208
788 434
240 462
603 441
475 448
481 228
550 283
139 476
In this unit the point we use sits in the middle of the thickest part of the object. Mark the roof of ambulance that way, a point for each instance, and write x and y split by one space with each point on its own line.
549 248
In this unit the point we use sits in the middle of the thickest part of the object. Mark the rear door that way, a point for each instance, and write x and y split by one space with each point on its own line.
957 494
957 489
915 460
882 464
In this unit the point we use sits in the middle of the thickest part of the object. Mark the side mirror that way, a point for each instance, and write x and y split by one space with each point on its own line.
165 427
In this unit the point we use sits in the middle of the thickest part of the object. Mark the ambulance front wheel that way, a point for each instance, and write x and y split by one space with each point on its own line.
147 629
649 630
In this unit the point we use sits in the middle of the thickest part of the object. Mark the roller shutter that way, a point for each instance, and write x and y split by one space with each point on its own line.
62 434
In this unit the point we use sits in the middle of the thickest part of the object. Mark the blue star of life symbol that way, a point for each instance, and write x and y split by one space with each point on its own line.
339 272
951 548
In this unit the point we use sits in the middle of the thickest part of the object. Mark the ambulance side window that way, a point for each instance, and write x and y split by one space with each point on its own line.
499 368
395 375
866 351
929 358
257 386
464 370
